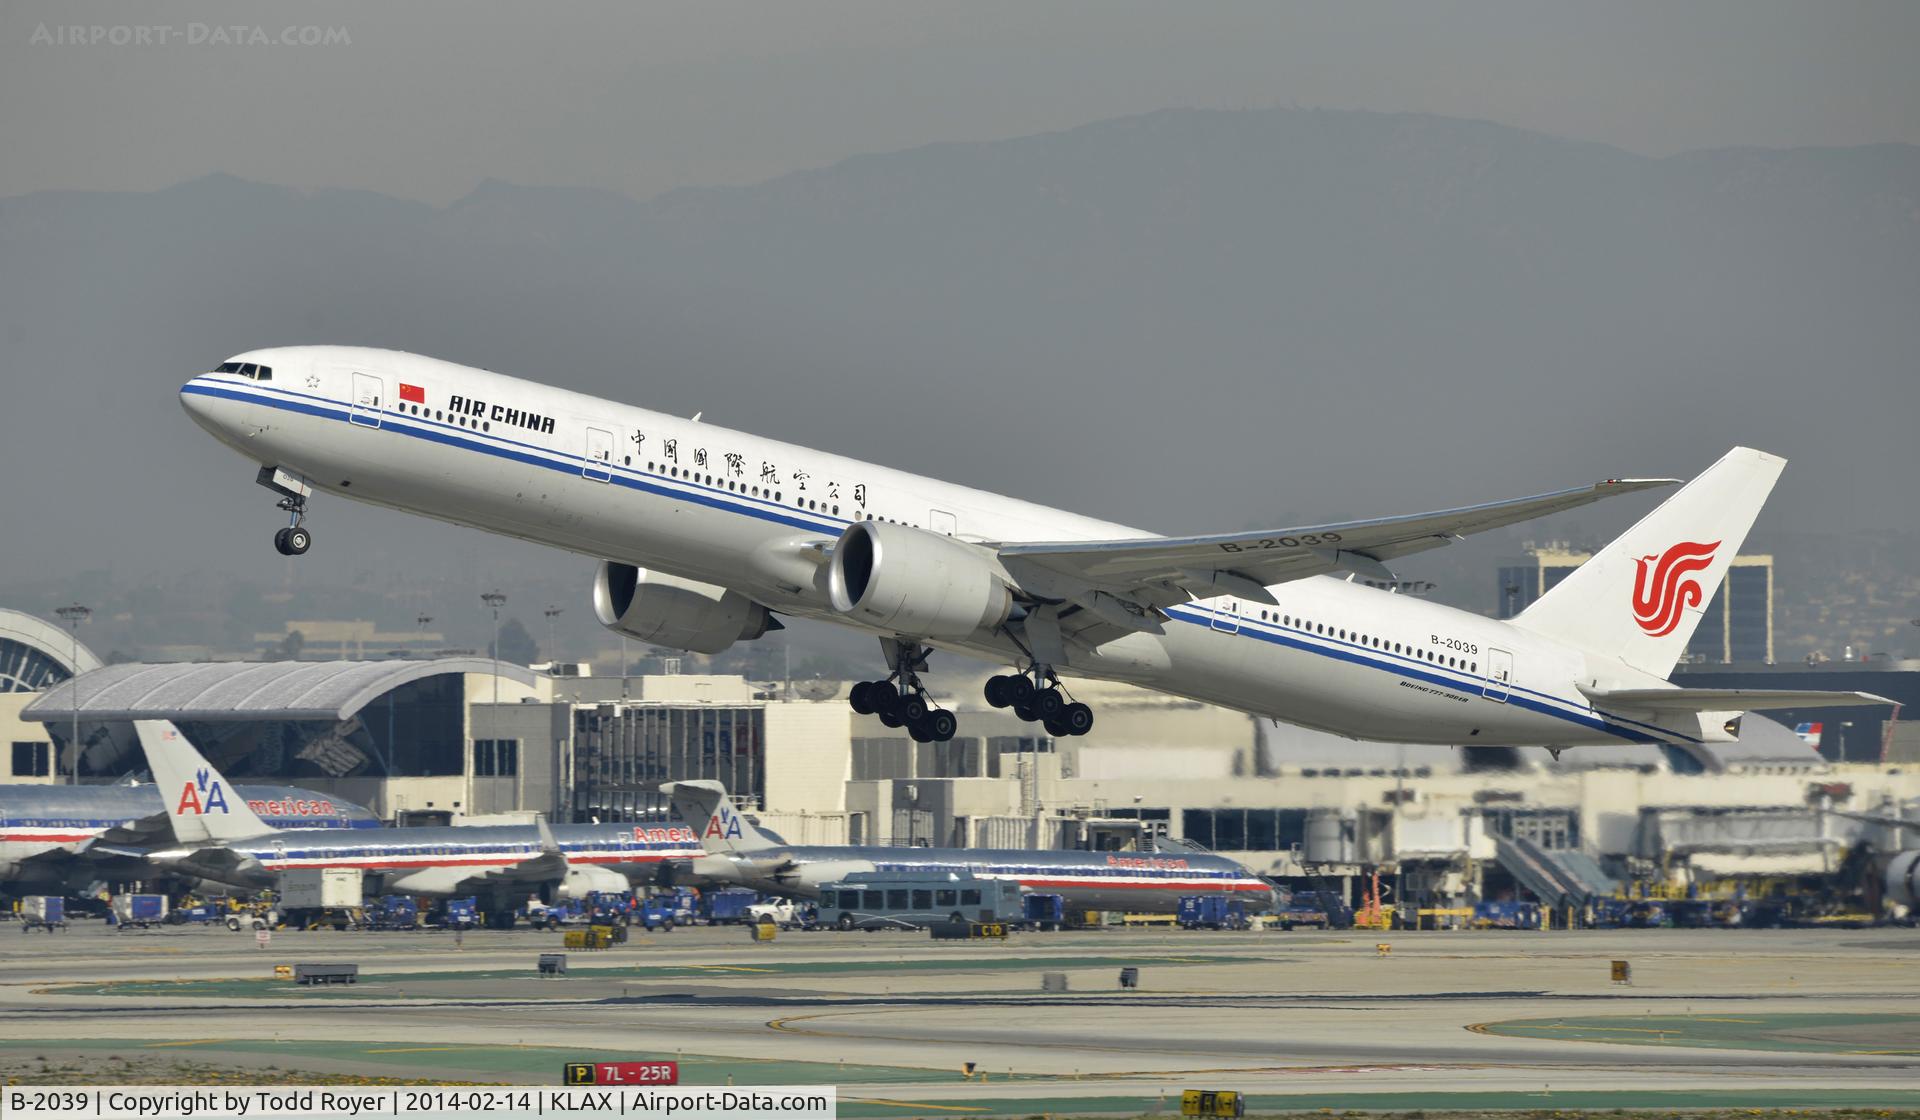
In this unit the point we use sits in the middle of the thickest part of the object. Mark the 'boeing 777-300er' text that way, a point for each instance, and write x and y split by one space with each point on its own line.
706 534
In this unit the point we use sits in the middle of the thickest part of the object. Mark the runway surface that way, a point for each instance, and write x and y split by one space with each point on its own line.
1744 1018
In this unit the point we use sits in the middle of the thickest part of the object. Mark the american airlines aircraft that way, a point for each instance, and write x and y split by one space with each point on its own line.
1138 882
219 837
59 837
706 534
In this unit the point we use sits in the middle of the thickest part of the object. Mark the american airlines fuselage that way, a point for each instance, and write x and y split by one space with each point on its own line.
1135 882
39 823
755 515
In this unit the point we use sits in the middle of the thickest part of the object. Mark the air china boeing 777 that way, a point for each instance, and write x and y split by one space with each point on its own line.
706 534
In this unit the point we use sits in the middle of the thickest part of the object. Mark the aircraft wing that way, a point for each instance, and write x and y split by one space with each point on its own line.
215 861
1162 570
149 831
548 866
1726 699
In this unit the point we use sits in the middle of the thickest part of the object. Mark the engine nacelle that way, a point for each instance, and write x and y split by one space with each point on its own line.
916 583
584 878
1903 878
665 610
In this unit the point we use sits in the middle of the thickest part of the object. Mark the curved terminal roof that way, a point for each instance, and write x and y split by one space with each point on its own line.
36 654
236 690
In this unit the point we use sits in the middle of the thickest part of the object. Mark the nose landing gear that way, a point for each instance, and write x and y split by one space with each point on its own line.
1036 696
901 700
295 539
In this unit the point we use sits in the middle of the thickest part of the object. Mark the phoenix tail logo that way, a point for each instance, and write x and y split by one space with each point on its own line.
1665 586
202 795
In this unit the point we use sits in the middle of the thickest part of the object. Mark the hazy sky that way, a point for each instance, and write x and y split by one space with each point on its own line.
425 99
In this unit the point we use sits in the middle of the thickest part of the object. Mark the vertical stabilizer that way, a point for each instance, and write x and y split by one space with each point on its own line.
200 802
705 807
1640 598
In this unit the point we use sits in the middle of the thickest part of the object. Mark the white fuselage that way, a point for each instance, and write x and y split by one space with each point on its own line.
707 503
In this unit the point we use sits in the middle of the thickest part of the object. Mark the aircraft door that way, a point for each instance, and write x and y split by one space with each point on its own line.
598 465
1499 675
363 407
1226 615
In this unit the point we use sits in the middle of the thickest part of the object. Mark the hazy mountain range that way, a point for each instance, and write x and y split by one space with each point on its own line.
1188 320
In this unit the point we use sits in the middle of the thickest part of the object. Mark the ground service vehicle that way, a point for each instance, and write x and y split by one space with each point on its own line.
727 907
138 911
1044 910
43 911
1211 911
913 900
786 913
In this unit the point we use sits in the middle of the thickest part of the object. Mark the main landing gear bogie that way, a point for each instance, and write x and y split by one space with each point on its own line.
924 722
1047 705
901 700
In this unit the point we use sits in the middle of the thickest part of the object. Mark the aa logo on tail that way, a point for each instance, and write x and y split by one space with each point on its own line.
725 824
202 795
1665 586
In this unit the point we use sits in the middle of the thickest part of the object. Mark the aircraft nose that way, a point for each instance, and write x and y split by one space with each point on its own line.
196 403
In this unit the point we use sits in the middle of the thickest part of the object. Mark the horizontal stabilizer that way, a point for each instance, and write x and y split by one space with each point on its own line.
1727 699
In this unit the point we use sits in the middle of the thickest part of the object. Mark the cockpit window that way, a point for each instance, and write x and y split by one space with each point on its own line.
247 369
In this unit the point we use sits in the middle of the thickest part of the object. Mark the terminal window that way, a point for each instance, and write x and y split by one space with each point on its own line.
496 758
32 760
1255 830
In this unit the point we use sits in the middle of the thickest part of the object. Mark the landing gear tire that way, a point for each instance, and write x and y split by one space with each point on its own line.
1024 710
298 541
1056 727
1000 691
1077 718
942 725
1049 703
280 542
860 698
919 731
913 710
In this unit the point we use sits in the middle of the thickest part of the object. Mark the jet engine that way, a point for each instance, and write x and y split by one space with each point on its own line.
1903 879
584 879
916 583
665 610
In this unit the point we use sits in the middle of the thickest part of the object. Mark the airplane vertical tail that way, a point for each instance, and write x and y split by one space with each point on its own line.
1640 598
705 807
201 803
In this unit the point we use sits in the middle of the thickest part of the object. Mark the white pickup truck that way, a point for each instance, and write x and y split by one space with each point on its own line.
782 912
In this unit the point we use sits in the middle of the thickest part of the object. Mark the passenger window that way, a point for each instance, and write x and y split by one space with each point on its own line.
897 900
923 900
873 900
947 898
970 896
